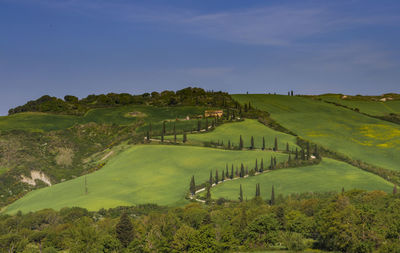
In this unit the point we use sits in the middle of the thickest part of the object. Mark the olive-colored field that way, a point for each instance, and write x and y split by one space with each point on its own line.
358 136
141 174
247 128
376 108
124 115
329 175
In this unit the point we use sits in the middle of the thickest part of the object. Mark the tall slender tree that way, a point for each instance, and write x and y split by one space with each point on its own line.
174 133
276 144
272 201
223 176
287 146
192 186
241 194
252 143
242 170
216 176
231 172
263 143
229 144
256 166
198 126
208 195
148 135
162 137
297 155
240 143
184 139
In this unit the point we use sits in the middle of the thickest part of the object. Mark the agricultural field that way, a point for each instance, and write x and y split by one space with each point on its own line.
358 136
375 108
247 128
124 115
141 174
329 175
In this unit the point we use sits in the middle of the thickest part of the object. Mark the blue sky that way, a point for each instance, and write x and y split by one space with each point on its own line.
82 47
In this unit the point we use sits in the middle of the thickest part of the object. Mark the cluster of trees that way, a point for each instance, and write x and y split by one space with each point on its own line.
352 221
73 105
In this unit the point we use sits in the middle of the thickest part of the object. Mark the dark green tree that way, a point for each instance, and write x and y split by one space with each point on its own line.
174 133
124 230
297 155
162 137
287 146
256 166
227 171
192 186
241 194
263 143
240 143
223 176
231 172
148 136
252 143
242 170
198 126
184 139
276 144
208 195
229 144
206 124
216 176
272 201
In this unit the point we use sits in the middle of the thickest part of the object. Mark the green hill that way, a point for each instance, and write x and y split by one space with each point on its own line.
247 128
141 174
358 136
329 175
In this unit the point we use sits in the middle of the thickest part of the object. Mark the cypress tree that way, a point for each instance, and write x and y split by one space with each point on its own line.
216 177
297 155
206 124
162 137
256 167
192 186
148 135
229 144
237 171
198 126
342 190
316 153
303 155
252 143
124 230
263 143
276 144
241 194
208 195
231 172
262 165
272 163
290 158
184 137
287 146
223 176
241 170
395 190
240 143
272 201
291 93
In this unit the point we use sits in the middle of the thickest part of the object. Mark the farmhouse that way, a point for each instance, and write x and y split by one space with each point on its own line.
213 113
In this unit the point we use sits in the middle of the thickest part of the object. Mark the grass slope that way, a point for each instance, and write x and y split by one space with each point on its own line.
247 128
360 137
376 108
34 121
329 175
141 174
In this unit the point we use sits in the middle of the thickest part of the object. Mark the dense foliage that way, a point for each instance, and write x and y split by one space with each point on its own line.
74 106
354 221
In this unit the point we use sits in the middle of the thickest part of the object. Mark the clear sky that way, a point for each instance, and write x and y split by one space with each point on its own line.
82 47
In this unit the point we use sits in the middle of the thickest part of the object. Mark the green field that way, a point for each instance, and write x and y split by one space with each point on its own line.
353 134
3 170
141 174
246 129
34 121
376 108
329 175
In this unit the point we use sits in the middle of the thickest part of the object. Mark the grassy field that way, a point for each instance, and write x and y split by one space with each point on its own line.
33 121
375 108
141 174
329 175
247 128
355 135
3 170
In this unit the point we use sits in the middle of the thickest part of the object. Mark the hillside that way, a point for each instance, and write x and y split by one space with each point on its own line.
358 136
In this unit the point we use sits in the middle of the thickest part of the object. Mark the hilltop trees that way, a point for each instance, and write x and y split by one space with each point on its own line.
124 230
252 143
240 143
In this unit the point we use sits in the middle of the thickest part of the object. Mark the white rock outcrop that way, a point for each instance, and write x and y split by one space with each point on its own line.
36 175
